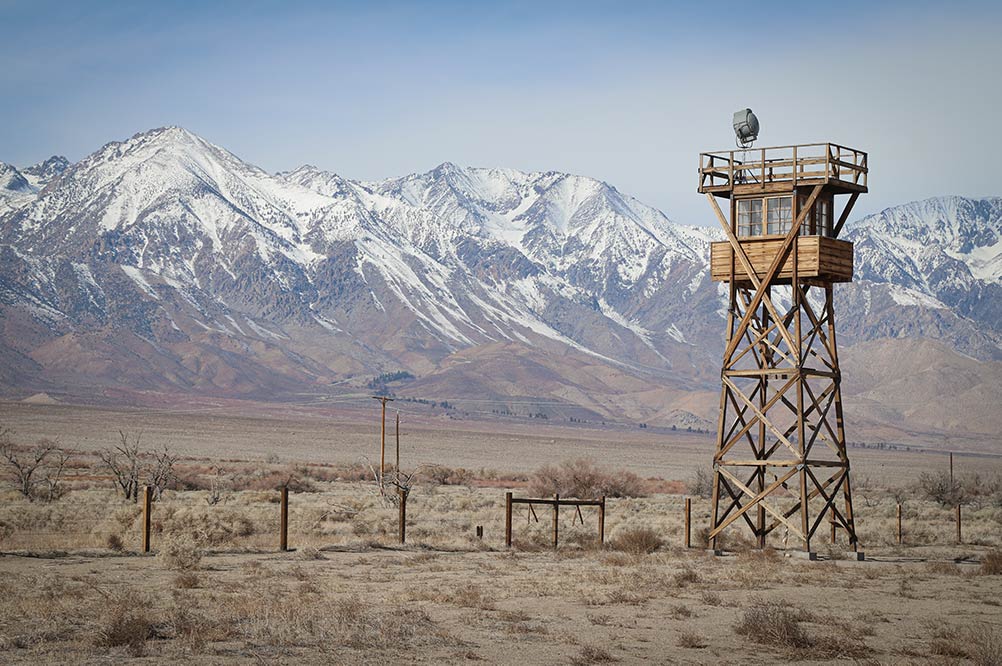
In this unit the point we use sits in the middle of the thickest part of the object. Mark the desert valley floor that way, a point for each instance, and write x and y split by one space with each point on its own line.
217 590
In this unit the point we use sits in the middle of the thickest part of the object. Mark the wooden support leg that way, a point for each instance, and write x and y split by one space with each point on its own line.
507 520
283 528
556 519
402 514
147 522
688 522
601 521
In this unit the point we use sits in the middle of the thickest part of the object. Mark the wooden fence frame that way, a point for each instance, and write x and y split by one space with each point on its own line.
556 503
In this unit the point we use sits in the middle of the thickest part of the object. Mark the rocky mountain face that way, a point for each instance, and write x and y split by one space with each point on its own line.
166 263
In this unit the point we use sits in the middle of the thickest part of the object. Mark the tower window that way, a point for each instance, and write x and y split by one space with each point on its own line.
750 217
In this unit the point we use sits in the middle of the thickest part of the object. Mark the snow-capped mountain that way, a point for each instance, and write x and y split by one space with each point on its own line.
41 174
165 262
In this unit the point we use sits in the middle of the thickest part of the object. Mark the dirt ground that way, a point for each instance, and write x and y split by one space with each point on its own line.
351 435
216 590
576 607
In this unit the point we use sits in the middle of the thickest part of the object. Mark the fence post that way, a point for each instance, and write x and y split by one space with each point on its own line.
403 515
147 505
959 537
556 519
507 519
900 537
601 521
480 532
283 528
688 522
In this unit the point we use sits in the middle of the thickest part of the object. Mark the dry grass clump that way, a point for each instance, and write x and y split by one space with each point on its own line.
583 479
991 563
637 541
124 621
592 654
180 552
982 644
312 620
773 624
780 625
690 639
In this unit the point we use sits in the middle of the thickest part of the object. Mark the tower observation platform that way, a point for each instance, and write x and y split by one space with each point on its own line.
780 460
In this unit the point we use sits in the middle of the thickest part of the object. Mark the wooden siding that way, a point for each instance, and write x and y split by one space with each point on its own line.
827 259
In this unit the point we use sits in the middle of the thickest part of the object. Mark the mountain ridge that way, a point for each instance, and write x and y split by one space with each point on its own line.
224 279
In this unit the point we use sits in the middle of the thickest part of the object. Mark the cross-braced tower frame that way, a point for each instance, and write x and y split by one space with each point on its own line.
781 460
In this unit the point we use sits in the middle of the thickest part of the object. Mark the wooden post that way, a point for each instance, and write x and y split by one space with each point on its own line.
832 519
556 519
507 519
960 539
402 514
601 521
900 537
688 522
147 505
283 526
397 468
382 438
480 532
382 445
951 468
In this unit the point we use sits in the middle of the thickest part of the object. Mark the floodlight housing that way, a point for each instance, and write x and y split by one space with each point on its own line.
745 127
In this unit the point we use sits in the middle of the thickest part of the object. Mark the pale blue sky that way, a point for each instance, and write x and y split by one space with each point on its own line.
629 94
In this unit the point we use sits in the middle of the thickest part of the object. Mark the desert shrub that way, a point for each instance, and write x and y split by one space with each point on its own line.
940 488
701 484
309 553
186 580
779 625
690 639
991 563
637 541
114 542
582 478
272 480
36 472
772 624
449 476
982 644
592 654
180 551
124 620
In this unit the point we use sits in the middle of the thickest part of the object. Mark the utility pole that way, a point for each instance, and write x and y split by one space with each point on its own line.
382 440
398 448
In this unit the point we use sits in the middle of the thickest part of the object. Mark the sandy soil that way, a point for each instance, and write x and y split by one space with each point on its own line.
347 436
529 608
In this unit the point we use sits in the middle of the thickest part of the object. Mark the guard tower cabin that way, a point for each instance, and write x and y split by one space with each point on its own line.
781 459
767 189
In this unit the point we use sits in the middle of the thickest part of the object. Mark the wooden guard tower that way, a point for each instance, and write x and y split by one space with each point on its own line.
781 458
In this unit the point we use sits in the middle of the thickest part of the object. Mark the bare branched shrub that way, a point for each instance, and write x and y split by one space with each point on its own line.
37 472
124 464
940 488
131 467
701 484
637 541
583 479
161 471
